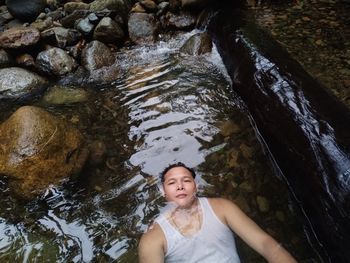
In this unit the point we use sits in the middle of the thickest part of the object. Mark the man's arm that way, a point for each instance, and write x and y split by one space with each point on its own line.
250 232
151 246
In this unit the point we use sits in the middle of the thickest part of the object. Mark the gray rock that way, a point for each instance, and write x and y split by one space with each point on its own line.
55 61
96 55
197 44
108 31
85 26
41 25
61 37
142 28
19 37
163 7
5 59
121 7
70 20
17 83
25 10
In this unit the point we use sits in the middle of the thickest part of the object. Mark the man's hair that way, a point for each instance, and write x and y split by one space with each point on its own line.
174 165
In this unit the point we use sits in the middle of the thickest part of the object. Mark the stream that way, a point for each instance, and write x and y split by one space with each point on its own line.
165 107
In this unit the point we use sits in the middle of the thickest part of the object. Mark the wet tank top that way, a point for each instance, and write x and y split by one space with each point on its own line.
214 242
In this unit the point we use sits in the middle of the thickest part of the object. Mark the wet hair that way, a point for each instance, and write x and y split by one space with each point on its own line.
174 165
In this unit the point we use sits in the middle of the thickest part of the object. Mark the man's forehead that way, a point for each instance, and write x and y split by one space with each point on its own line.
178 171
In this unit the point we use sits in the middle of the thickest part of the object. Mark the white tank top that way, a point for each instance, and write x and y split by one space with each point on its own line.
214 242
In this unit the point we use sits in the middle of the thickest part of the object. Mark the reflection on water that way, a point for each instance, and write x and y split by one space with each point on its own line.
165 107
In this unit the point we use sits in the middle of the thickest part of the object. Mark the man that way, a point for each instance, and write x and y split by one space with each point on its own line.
200 229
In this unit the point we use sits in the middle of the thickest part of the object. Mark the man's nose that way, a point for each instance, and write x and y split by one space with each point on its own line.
180 186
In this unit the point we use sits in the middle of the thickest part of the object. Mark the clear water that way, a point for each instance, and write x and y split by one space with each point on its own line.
165 107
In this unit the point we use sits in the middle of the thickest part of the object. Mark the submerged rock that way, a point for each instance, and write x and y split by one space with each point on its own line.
197 44
17 83
37 150
59 95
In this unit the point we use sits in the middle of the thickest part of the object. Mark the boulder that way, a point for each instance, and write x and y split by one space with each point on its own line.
38 149
25 10
182 21
197 44
17 83
59 95
108 31
55 61
142 28
19 37
96 55
121 7
70 7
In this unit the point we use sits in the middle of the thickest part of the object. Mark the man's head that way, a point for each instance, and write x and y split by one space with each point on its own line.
174 165
179 185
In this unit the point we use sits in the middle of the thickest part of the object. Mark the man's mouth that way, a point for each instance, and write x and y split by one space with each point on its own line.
180 196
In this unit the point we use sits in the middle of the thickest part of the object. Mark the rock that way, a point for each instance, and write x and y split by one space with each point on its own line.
5 59
121 7
108 31
137 8
70 20
25 10
104 75
182 21
142 28
149 5
55 61
174 6
263 204
41 25
85 26
163 7
197 44
38 150
17 83
59 95
96 55
70 7
61 37
25 60
19 37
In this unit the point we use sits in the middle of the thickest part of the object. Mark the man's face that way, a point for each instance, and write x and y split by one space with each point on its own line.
179 186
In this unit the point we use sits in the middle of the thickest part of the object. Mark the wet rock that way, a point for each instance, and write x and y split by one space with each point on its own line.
5 59
70 7
55 61
104 75
149 5
59 95
197 44
142 28
25 60
17 83
25 10
38 150
247 151
263 203
19 37
42 24
85 26
121 7
61 37
108 31
174 6
182 21
93 18
96 55
5 16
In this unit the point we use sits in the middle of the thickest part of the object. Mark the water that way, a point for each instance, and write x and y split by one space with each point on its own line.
165 107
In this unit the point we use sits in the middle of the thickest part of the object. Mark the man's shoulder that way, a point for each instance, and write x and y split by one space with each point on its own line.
154 233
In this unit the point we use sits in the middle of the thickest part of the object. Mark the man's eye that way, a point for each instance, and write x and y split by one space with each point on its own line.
171 183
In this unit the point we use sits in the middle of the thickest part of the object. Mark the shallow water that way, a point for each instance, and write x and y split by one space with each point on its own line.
165 107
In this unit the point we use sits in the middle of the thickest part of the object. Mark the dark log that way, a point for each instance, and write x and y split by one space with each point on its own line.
305 128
